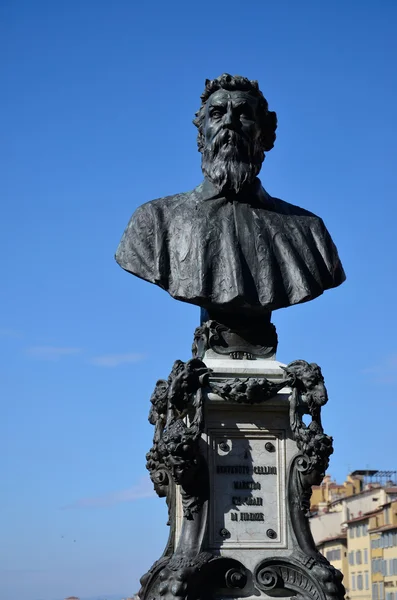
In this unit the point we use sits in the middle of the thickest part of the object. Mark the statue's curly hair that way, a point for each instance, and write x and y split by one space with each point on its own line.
268 119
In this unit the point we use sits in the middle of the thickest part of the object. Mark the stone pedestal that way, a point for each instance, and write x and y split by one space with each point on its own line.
236 462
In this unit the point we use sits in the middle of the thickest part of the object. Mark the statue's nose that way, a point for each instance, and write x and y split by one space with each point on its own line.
229 119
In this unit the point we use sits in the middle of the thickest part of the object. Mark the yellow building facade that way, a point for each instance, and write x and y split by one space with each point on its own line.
359 559
362 542
366 554
383 535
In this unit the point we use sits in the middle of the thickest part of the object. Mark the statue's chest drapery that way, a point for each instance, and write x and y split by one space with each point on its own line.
222 253
225 250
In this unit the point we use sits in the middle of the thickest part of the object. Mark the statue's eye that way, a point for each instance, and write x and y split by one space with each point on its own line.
216 114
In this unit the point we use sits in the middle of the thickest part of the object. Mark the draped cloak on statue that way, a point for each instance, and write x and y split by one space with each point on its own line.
251 253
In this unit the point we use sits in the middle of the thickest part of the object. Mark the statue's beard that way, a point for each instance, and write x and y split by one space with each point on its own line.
231 161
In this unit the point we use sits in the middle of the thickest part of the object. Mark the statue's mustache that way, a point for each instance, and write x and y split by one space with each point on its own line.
228 137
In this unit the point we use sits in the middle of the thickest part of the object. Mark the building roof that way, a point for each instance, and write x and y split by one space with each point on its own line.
365 516
355 496
383 528
340 537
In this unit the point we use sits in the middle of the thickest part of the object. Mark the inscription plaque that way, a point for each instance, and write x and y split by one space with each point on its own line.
247 482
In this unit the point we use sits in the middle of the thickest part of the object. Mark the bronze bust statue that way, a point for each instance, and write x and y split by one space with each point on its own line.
228 246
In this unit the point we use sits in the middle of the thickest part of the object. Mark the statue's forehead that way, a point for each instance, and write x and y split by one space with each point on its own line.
223 96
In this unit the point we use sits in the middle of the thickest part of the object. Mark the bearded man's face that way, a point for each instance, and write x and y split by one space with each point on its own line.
232 153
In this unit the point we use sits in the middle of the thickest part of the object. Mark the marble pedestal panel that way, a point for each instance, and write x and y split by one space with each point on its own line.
248 449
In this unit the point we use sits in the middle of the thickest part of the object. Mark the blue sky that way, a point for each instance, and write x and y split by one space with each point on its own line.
96 107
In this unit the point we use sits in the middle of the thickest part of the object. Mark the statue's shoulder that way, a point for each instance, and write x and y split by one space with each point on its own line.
286 208
156 217
297 213
165 205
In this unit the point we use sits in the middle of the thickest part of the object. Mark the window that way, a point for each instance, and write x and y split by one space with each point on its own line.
333 554
364 529
359 581
358 530
387 540
366 556
353 582
381 590
351 558
366 580
375 591
387 516
384 567
393 567
351 532
358 557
